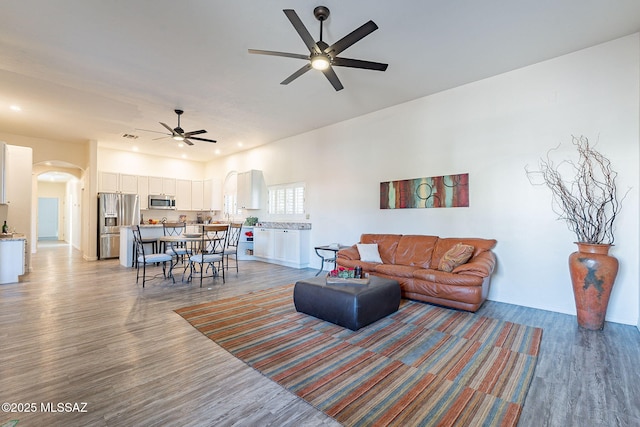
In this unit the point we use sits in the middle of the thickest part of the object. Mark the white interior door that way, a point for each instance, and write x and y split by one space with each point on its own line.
48 218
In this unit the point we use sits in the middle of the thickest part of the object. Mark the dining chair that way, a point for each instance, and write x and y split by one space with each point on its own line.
175 249
148 257
211 252
150 241
235 231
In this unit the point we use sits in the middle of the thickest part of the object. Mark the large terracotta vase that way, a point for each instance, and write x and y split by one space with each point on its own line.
593 273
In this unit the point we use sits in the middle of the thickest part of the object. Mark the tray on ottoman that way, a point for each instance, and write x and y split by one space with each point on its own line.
352 306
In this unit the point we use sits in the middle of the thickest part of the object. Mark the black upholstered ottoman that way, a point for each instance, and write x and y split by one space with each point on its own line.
350 305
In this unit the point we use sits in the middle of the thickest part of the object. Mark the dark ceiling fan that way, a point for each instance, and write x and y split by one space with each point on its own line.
322 56
179 134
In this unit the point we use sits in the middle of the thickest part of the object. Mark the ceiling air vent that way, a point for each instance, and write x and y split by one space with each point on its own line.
129 136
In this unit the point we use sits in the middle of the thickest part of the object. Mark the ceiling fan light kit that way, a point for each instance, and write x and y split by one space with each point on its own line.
321 56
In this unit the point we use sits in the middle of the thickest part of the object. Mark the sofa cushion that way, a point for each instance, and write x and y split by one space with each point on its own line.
443 245
442 277
396 270
387 244
454 257
415 250
369 252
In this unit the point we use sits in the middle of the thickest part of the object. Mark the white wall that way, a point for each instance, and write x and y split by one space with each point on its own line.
143 164
491 129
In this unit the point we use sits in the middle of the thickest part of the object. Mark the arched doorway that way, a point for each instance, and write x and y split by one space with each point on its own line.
57 213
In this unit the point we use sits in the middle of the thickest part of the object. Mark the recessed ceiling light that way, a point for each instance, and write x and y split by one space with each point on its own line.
217 151
240 144
181 145
134 148
15 108
184 156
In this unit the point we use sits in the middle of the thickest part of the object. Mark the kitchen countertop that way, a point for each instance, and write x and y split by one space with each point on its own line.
285 225
12 236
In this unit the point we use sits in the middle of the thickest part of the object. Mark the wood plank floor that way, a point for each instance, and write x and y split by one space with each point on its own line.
76 331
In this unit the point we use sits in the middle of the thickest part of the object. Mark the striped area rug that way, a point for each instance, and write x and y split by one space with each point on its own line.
423 365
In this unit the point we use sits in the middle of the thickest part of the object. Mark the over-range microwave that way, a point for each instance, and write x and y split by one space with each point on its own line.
162 201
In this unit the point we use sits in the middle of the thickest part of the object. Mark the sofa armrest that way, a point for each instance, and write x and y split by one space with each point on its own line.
350 253
481 265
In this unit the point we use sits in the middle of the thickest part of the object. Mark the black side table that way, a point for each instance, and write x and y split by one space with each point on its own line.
331 258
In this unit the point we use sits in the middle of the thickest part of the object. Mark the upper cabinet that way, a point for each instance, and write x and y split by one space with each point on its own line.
129 183
143 191
113 182
197 195
212 195
159 185
108 182
190 195
250 189
183 195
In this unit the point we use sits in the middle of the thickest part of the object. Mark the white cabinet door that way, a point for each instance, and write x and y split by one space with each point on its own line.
263 242
249 189
158 185
169 186
197 195
128 183
155 185
212 195
143 191
287 246
183 195
108 182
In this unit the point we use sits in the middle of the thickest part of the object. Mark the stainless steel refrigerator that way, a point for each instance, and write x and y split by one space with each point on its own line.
115 210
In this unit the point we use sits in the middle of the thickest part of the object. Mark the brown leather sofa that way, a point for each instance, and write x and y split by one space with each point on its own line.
413 260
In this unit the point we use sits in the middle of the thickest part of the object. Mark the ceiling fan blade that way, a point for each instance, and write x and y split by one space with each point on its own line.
357 63
354 36
186 141
194 132
154 131
202 139
333 78
274 53
302 30
297 74
162 137
168 128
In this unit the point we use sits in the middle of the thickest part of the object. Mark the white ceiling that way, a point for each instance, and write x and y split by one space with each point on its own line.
95 70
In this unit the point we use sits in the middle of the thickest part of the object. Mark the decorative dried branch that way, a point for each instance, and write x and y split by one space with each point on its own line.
588 202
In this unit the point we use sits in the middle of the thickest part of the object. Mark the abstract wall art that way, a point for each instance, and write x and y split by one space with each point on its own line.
448 191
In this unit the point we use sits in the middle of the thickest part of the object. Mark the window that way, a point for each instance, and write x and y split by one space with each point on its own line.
287 200
230 207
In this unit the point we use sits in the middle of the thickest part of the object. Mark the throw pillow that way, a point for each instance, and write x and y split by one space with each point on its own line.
454 257
369 252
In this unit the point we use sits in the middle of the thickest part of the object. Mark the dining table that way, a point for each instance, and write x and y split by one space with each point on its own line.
189 240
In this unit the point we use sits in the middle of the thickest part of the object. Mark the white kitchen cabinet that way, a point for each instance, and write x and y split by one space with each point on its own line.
183 195
212 200
282 246
128 183
108 182
113 182
12 260
143 191
249 189
263 243
159 185
197 195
